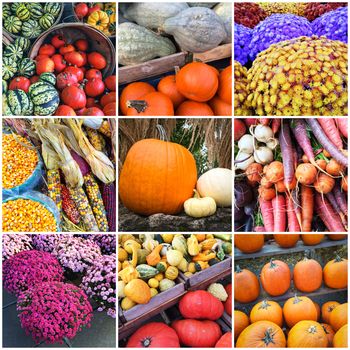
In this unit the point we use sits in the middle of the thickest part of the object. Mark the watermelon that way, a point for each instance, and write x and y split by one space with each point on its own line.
44 97
13 24
9 68
53 8
26 67
14 52
46 21
19 102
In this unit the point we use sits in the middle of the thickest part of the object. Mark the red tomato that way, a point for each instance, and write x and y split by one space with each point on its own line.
93 9
60 63
21 83
40 57
94 111
110 109
94 87
77 71
93 73
34 79
57 41
47 49
66 48
74 97
45 65
81 10
65 79
111 83
108 98
64 110
96 60
81 44
74 58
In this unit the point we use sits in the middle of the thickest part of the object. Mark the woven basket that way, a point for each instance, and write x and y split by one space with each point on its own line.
74 31
6 39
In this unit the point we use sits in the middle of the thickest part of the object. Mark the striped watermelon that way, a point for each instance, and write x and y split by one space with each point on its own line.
19 102
44 97
22 12
26 67
36 10
52 7
14 52
22 43
31 29
13 24
9 68
46 21
48 78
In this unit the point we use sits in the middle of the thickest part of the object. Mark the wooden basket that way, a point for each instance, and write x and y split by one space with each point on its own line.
74 31
6 39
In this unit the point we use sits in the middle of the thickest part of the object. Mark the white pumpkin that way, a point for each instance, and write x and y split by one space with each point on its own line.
200 207
217 184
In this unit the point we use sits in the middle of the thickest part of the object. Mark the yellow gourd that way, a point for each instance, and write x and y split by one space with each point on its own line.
208 243
153 283
193 246
209 236
121 286
198 207
200 237
154 258
138 291
167 238
127 274
183 265
150 244
188 274
122 254
205 256
174 257
191 267
203 265
119 266
132 247
154 292
127 304
125 237
159 277
171 273
98 19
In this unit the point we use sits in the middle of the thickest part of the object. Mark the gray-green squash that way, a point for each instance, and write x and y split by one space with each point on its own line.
137 44
224 11
153 14
196 29
202 4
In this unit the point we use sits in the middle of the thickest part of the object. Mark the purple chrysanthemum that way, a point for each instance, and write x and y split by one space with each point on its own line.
242 38
46 242
14 243
107 242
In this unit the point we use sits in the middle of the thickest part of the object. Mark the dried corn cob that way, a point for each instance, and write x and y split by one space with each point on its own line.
54 187
109 200
96 139
105 129
82 203
68 206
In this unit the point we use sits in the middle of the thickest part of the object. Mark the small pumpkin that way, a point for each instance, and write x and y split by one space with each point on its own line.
167 86
138 291
307 275
241 322
249 243
329 333
198 207
312 239
297 309
326 310
225 341
340 339
171 273
286 240
267 310
339 316
335 273
247 287
225 85
193 108
219 107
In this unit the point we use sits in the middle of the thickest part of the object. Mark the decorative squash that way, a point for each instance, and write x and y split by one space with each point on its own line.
200 305
267 310
122 254
167 237
167 86
307 275
154 258
127 304
249 243
275 277
132 247
166 284
312 239
154 335
298 309
219 107
286 240
198 207
217 184
223 10
138 291
225 85
193 108
241 322
329 333
339 317
157 177
225 341
153 283
307 334
247 287
171 273
208 243
197 81
145 271
137 44
183 265
174 257
340 339
128 273
335 273
179 243
262 334
196 29
326 310
192 244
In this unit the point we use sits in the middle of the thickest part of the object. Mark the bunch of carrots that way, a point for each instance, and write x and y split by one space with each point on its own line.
307 181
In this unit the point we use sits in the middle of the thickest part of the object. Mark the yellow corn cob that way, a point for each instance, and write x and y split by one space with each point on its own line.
105 129
96 139
54 187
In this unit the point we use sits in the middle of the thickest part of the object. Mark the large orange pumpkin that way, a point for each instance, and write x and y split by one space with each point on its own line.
247 287
340 339
262 334
219 107
339 317
267 310
307 334
193 108
335 273
157 177
326 310
197 81
225 85
151 104
298 309
275 277
249 242
241 322
336 237
312 239
329 333
307 275
286 240
167 86
133 91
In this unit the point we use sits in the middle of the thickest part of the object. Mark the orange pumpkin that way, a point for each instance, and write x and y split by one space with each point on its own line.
193 108
336 237
225 85
318 309
157 177
197 81
262 334
340 339
220 108
326 310
329 333
339 317
275 277
267 310
312 239
241 322
335 273
297 309
307 334
307 275
249 243
167 86
247 287
133 91
286 240
152 104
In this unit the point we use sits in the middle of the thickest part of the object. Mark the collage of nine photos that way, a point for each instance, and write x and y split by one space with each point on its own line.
160 162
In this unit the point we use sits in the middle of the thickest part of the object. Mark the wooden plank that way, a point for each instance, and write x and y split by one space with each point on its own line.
271 248
218 53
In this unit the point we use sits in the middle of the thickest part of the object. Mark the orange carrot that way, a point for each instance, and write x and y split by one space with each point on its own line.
307 208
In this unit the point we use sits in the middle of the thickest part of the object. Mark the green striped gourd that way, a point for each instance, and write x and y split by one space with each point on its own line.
36 10
46 21
48 78
19 102
26 67
31 29
13 24
146 271
14 6
22 12
22 43
14 52
6 11
44 97
52 7
9 68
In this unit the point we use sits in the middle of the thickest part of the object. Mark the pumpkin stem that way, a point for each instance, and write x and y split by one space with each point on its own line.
272 264
296 299
312 330
196 194
139 105
268 338
238 269
338 258
264 304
